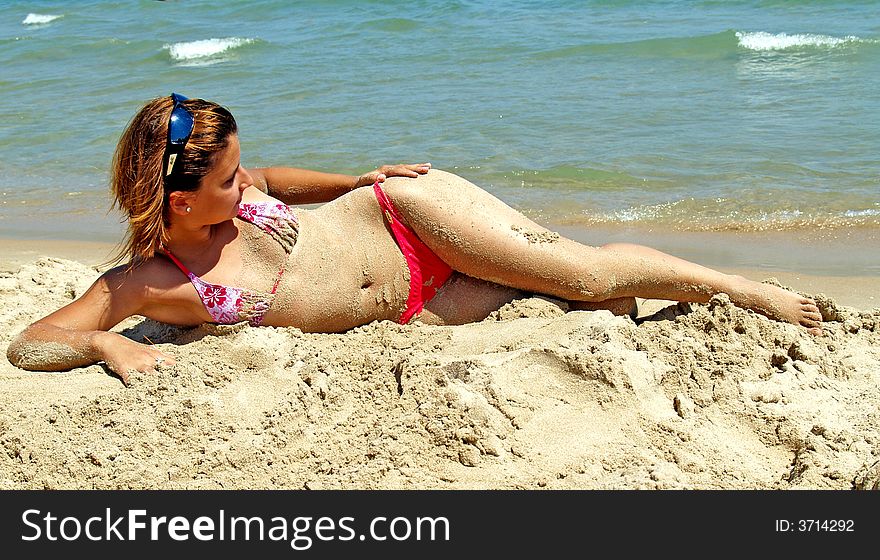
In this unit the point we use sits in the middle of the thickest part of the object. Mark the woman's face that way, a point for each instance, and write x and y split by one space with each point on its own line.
219 194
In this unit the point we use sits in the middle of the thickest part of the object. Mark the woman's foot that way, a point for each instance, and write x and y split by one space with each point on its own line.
777 303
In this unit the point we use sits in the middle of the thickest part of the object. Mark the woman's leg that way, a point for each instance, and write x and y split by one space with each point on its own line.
481 236
617 306
464 299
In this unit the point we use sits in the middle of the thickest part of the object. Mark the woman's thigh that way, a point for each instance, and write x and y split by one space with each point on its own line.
481 236
464 299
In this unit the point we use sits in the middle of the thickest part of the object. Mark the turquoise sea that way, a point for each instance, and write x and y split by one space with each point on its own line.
706 116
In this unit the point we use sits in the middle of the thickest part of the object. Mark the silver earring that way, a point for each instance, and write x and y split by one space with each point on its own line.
188 209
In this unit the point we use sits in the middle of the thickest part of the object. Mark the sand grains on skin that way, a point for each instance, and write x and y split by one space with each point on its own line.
780 303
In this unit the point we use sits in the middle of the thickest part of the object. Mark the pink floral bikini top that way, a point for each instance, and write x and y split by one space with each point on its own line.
228 304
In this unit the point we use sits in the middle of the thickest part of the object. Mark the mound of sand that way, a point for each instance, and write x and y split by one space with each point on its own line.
694 396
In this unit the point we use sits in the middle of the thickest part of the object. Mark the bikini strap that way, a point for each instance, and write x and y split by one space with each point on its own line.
176 261
388 208
186 271
277 281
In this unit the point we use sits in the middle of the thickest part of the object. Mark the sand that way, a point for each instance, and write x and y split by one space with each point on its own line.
688 396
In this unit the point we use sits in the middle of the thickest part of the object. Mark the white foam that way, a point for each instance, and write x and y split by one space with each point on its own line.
205 48
39 19
639 213
763 41
861 213
780 215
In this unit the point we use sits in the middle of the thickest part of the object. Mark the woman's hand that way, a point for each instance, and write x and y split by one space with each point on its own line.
400 170
124 356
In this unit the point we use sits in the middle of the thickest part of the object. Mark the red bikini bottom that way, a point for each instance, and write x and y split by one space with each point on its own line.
427 271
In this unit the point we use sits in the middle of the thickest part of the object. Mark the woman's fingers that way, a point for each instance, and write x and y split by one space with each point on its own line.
148 360
418 168
163 359
405 170
411 170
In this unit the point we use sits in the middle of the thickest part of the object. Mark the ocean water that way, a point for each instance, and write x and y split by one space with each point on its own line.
706 116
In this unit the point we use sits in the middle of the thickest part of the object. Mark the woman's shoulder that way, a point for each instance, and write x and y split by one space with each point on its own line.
253 195
154 288
154 273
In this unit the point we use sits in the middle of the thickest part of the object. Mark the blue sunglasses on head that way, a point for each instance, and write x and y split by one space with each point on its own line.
180 127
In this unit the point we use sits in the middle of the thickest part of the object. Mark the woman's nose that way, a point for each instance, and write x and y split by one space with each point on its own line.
244 179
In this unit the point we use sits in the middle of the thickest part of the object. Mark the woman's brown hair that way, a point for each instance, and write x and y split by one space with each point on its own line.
139 189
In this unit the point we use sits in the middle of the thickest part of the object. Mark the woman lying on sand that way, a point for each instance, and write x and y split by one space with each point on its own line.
209 240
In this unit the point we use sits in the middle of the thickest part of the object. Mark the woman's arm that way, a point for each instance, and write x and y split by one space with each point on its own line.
303 186
77 334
